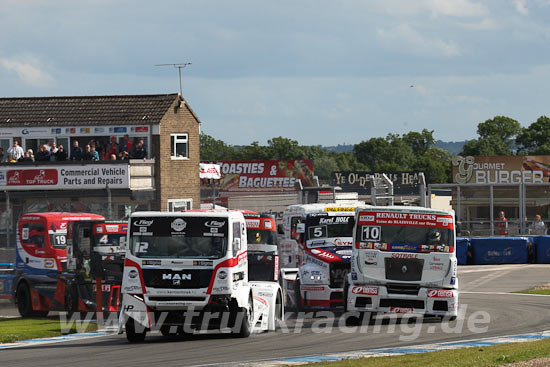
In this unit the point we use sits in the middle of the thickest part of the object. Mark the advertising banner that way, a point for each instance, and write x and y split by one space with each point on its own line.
500 169
66 177
265 176
404 182
210 171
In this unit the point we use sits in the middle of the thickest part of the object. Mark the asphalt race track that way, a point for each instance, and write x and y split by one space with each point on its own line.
483 295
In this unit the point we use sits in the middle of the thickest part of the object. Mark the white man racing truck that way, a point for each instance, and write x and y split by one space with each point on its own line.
404 261
186 271
316 252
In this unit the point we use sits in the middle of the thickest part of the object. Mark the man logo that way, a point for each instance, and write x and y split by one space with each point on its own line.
178 224
176 276
404 268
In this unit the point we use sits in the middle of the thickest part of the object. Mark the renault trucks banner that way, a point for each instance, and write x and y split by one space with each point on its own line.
265 176
77 177
404 183
485 170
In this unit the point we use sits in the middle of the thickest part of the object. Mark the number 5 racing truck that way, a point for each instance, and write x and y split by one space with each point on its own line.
187 271
318 241
404 260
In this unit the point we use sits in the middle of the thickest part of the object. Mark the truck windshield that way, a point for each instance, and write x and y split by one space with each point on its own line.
179 237
407 238
261 266
179 247
320 227
261 236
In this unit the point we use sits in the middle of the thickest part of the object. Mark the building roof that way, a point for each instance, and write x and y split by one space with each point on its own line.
85 110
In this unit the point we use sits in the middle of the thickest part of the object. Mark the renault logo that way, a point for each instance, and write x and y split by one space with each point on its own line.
404 268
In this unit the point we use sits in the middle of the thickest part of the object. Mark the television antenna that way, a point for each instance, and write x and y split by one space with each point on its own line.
179 67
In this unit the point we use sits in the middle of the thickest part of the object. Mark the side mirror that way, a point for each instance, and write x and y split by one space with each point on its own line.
236 245
300 228
280 229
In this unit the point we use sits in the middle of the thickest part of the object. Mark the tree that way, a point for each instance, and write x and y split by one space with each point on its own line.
435 163
212 149
496 137
536 138
419 142
284 148
384 154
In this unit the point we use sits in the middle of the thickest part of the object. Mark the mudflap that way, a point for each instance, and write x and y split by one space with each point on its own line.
135 308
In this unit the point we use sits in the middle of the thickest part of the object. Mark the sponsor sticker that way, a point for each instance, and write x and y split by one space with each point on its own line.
312 288
111 227
366 218
440 293
401 309
151 262
365 290
404 256
178 225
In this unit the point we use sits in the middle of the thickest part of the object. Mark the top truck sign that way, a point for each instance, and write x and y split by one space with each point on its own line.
485 170
115 176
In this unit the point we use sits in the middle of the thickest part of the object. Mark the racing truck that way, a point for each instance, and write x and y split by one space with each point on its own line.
187 271
95 260
41 256
404 261
316 252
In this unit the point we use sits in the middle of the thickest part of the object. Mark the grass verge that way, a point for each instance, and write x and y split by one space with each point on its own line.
467 357
12 330
535 291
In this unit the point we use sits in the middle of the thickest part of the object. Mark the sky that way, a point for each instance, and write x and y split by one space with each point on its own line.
317 71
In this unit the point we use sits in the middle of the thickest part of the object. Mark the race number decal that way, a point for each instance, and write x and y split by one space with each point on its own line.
318 232
370 233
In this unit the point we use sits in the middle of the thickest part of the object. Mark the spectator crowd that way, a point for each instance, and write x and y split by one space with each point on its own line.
94 150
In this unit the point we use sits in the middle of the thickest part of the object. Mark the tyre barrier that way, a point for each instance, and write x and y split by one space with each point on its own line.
499 250
462 248
542 249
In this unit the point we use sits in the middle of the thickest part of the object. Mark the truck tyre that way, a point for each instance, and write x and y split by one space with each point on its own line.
24 303
298 297
278 310
132 335
246 321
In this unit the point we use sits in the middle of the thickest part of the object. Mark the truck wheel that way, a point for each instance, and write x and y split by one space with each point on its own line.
132 335
247 319
278 309
298 297
24 303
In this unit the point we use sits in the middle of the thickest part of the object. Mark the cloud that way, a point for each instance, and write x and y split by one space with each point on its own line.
28 73
456 8
521 6
405 37
485 24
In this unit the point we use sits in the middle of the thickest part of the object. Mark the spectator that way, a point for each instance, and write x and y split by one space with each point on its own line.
139 150
95 154
88 156
61 154
126 145
501 225
76 152
31 153
538 227
2 155
11 158
27 157
16 151
113 157
112 148
53 148
43 154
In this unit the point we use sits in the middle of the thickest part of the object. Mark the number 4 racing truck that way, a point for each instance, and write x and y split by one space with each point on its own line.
95 255
187 271
403 261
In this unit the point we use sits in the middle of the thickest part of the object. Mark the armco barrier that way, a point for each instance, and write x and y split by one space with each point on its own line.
462 246
542 249
500 250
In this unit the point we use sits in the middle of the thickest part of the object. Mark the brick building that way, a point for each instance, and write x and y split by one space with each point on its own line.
165 177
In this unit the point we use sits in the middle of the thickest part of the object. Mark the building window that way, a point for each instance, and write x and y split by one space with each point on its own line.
180 205
178 146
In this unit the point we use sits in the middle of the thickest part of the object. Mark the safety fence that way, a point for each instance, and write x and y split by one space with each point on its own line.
503 250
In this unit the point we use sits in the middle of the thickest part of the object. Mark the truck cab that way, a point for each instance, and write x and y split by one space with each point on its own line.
181 262
404 261
316 253
41 255
95 253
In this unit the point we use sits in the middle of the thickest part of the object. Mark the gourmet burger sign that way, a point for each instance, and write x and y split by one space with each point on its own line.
80 177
